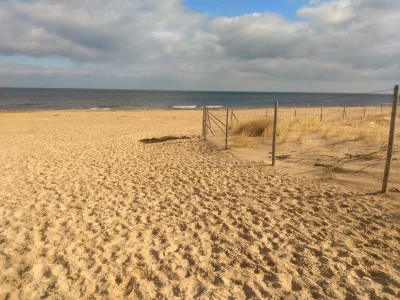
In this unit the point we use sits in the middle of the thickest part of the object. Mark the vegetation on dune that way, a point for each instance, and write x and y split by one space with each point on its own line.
253 128
373 128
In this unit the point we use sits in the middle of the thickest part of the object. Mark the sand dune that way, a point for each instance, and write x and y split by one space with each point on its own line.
87 211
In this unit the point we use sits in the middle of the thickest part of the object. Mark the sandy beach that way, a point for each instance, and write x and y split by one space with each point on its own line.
87 211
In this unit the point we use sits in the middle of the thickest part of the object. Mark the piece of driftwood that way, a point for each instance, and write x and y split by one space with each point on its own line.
164 139
284 156
321 165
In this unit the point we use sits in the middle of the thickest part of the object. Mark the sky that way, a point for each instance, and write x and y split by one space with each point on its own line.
236 45
233 8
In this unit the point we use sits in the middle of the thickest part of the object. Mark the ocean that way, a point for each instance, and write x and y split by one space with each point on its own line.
77 99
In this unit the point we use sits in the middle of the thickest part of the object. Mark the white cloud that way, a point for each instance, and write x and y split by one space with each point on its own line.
338 41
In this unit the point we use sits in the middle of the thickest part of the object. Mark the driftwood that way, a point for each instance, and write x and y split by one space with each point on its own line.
284 156
164 139
322 165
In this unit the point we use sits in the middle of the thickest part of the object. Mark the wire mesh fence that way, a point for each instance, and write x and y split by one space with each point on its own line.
346 141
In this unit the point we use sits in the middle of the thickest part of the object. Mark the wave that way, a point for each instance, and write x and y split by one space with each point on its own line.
183 106
100 108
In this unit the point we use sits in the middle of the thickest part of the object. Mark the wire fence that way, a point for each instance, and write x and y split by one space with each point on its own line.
344 142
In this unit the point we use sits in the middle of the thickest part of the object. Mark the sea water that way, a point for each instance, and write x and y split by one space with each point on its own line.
70 99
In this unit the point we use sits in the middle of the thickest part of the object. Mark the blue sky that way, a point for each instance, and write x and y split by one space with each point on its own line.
231 8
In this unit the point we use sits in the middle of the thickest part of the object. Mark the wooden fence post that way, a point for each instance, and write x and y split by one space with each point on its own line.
226 129
208 123
320 118
208 120
274 135
391 139
204 123
344 113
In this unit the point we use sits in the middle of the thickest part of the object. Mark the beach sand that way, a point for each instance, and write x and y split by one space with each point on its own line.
87 211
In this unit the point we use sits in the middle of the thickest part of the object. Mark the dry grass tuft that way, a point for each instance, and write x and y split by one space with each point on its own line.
253 128
310 124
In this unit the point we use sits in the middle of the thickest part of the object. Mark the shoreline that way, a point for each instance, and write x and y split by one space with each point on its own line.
182 109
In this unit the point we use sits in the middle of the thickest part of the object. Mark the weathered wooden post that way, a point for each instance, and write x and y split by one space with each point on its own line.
208 120
320 118
205 123
344 113
274 135
226 129
202 123
391 139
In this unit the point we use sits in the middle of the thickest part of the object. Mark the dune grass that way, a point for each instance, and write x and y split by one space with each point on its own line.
371 129
259 127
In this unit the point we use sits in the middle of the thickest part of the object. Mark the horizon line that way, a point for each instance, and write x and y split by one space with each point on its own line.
171 90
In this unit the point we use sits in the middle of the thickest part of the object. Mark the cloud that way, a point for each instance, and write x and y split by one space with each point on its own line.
98 30
355 32
266 35
155 40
